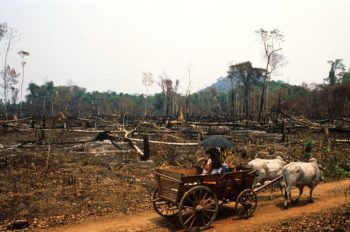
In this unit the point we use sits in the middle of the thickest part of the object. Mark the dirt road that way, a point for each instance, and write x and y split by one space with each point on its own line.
327 195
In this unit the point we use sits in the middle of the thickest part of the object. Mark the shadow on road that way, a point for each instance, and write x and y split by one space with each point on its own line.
173 224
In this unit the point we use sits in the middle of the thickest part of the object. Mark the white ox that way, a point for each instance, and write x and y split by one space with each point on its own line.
267 170
300 174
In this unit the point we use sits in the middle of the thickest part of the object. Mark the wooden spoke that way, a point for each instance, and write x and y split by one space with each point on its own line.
246 203
190 218
188 207
195 198
162 207
210 210
203 208
206 215
207 206
193 220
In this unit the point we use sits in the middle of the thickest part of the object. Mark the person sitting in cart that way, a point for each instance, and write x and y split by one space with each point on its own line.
214 164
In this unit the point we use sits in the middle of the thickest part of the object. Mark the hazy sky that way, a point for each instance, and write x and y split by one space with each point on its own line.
106 45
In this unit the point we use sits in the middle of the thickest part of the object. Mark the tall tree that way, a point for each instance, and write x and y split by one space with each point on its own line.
271 42
3 30
14 95
337 67
147 81
22 54
231 77
163 85
188 92
246 76
10 35
168 91
10 79
174 96
346 76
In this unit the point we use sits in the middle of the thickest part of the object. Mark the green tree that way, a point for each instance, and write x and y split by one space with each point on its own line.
231 77
246 76
345 77
3 30
337 67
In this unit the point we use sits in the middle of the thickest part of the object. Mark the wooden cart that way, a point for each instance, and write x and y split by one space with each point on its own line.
195 198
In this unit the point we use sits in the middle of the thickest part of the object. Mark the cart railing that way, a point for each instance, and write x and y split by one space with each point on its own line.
172 185
168 184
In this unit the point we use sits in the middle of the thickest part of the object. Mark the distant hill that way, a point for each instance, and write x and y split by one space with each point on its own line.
222 84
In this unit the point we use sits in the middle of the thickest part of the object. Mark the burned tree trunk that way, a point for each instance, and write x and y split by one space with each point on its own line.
146 150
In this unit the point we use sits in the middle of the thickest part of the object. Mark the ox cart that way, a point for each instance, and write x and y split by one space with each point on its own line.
195 198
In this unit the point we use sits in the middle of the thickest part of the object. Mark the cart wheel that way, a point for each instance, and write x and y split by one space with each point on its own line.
162 207
198 208
246 203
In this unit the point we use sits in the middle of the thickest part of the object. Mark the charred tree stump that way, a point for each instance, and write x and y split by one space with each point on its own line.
146 149
42 135
250 137
200 137
3 163
326 138
44 122
284 138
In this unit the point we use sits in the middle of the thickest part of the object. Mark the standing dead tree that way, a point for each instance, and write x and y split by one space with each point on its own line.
22 54
169 92
147 81
8 74
174 97
188 93
163 85
271 42
233 106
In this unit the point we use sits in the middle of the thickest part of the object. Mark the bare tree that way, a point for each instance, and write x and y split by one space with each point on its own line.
14 94
147 81
162 83
22 54
10 77
169 92
10 34
271 42
188 92
174 96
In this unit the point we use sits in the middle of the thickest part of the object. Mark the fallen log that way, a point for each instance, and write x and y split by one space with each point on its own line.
342 141
137 149
340 130
166 143
213 124
15 120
